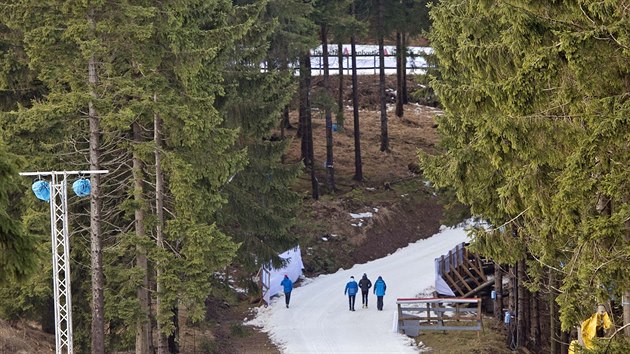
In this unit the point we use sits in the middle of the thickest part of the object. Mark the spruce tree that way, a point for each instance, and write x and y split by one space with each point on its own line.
260 206
149 62
531 134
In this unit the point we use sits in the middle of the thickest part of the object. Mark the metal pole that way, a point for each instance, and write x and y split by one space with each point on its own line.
60 244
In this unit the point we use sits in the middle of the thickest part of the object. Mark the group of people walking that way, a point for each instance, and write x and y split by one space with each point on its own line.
352 288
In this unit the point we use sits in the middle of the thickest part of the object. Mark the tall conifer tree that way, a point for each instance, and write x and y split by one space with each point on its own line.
531 133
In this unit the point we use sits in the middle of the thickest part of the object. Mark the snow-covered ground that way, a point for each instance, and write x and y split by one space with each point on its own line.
318 320
367 60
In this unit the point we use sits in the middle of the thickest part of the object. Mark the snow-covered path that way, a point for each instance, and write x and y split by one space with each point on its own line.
318 320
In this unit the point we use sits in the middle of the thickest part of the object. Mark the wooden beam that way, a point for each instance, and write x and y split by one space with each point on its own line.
461 278
453 284
473 277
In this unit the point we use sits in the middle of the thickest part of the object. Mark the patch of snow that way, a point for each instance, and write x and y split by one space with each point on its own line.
319 321
324 238
375 210
238 290
361 215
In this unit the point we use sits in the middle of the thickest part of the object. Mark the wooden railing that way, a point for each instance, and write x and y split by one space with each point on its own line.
463 271
438 314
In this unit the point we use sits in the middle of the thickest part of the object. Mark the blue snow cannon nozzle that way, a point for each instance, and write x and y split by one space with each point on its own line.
41 190
82 187
335 127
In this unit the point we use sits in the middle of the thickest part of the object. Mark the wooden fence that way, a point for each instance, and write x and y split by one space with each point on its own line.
463 271
438 314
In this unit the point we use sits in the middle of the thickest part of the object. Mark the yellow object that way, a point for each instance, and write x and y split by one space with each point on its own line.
574 346
590 326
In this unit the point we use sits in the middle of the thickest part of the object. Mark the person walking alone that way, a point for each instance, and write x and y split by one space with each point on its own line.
351 289
287 284
379 290
365 284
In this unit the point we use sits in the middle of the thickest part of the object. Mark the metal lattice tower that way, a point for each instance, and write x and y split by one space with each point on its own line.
61 263
61 254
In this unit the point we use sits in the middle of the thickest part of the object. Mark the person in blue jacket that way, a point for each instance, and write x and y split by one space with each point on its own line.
379 290
351 289
288 287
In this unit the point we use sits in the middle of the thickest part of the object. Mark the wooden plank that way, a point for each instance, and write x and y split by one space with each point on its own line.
453 284
466 264
400 322
476 266
407 310
421 300
475 278
450 328
480 287
483 275
461 278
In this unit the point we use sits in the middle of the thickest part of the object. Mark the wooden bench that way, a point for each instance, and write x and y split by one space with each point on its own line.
438 314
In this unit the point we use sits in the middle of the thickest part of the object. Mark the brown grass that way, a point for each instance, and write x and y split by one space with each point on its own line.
490 341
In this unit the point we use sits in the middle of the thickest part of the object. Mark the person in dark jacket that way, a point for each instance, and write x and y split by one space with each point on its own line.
379 290
287 284
365 284
351 289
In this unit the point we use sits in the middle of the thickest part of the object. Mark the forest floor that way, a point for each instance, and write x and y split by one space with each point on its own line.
330 238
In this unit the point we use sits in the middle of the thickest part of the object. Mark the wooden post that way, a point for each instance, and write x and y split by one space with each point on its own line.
498 289
400 321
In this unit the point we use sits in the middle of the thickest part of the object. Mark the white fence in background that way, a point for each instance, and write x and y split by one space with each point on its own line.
367 60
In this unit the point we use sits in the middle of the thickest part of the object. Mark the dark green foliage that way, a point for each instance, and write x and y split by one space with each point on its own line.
260 208
17 248
534 133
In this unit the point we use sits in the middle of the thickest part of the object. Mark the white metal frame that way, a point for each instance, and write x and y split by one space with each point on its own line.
61 253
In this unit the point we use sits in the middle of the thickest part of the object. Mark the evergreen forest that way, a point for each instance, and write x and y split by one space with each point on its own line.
186 104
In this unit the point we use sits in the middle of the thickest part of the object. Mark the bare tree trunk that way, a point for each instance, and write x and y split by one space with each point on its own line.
96 248
159 227
399 75
306 121
512 291
358 166
405 93
340 115
143 326
285 118
625 298
285 123
330 171
381 81
522 307
554 327
564 343
173 339
498 289
535 323
304 102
